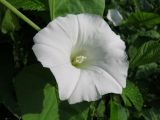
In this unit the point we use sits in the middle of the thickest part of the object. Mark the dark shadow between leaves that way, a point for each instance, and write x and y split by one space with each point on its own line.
7 93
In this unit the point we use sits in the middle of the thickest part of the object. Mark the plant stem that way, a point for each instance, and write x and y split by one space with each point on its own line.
52 8
19 14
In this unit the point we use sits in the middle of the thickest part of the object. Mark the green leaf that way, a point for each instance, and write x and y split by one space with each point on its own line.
117 111
151 114
74 112
36 94
146 70
147 53
143 19
100 111
39 5
132 51
126 101
63 7
153 34
9 23
132 94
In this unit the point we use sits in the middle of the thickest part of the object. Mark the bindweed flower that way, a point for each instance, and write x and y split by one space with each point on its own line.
114 16
86 57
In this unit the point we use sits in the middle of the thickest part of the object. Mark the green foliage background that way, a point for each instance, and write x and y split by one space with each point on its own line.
29 91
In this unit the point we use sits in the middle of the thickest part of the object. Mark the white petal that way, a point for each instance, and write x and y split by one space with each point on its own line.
88 25
67 77
104 82
93 30
93 84
114 59
50 57
85 89
114 16
60 33
118 69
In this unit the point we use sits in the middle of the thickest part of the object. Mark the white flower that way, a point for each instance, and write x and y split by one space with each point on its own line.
86 57
114 16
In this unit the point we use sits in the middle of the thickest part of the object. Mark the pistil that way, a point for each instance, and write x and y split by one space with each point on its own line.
78 60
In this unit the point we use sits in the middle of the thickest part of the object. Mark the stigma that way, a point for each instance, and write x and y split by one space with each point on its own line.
78 60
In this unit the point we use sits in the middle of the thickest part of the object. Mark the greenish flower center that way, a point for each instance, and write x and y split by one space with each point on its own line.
78 61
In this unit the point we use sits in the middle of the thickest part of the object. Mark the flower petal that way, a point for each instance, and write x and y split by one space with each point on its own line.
104 82
67 77
87 27
93 84
85 89
60 33
50 57
114 16
114 60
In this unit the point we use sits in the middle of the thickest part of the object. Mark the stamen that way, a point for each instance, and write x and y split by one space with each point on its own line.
80 59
